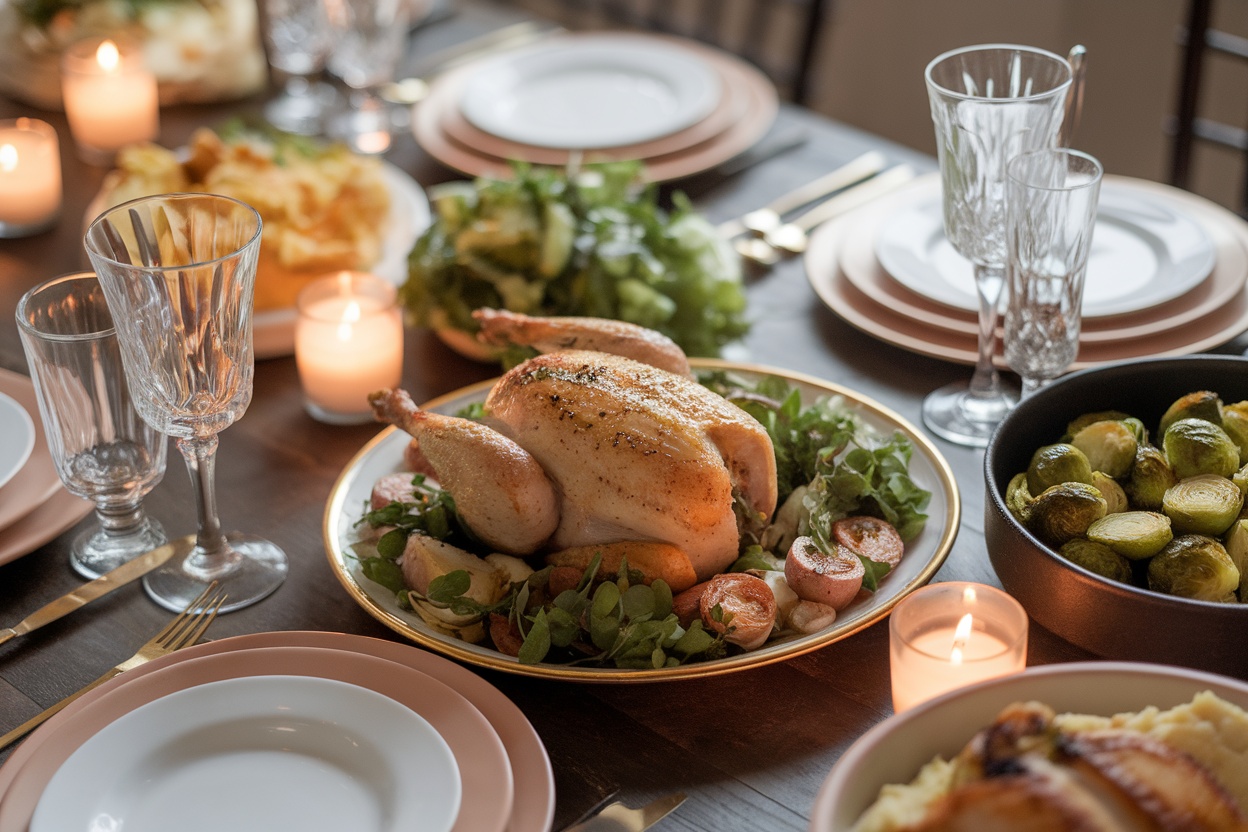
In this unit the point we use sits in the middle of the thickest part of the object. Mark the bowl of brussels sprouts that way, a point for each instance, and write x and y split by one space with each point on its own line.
1115 510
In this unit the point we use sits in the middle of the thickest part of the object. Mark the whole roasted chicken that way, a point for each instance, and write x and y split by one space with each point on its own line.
602 442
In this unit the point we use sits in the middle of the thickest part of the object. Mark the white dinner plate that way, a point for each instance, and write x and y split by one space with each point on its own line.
590 91
17 437
924 554
259 753
1145 251
274 331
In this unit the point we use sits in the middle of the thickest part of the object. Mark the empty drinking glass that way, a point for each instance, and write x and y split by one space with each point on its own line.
1051 197
370 38
989 104
179 271
298 38
103 451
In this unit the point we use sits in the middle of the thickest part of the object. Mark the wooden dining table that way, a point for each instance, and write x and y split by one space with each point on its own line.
749 748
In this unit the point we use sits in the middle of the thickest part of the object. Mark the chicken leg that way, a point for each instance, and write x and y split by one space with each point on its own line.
500 491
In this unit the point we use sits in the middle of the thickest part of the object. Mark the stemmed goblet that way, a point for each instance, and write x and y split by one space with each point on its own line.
370 39
298 37
179 273
1052 199
102 449
989 103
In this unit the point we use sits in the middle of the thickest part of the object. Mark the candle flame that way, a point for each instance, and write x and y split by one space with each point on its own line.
8 157
107 56
350 316
961 635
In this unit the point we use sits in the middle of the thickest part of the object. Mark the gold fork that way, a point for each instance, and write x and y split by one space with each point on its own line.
185 629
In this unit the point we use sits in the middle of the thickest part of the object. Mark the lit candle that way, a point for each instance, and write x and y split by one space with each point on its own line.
949 635
348 343
30 177
110 97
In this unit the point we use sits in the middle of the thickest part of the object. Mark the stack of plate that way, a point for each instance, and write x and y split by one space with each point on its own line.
1166 275
300 730
679 106
34 506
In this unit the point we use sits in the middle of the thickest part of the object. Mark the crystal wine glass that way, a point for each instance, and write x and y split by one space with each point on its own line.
103 451
369 42
298 38
1052 199
989 103
179 272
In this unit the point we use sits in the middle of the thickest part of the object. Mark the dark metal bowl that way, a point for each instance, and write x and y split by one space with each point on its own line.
1108 618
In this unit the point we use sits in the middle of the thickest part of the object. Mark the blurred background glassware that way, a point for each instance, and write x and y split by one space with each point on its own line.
989 103
179 272
298 39
102 449
1051 198
370 39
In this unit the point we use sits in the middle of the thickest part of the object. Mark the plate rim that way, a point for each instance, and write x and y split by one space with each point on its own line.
323 688
1127 187
19 460
691 70
782 651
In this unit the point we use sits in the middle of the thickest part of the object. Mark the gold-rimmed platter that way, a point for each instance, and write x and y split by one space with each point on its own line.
924 554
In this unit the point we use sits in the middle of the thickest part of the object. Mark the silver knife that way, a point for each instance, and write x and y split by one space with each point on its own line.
99 587
619 818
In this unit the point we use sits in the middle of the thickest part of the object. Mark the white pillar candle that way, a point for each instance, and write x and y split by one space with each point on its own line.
111 98
946 636
30 177
348 343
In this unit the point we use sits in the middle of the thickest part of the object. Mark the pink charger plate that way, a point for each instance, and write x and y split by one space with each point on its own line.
385 667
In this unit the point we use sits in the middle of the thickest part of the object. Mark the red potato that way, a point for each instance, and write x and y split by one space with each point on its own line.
750 603
392 488
832 579
871 537
688 604
415 459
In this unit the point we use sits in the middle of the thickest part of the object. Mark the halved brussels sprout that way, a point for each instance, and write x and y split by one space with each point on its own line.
1081 422
1137 428
1098 558
1205 504
1198 446
1017 497
1235 423
1240 478
1109 447
1149 478
1064 511
1055 464
1202 404
1136 535
1236 544
1115 497
1194 566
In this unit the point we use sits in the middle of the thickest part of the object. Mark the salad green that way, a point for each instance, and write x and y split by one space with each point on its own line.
831 464
594 244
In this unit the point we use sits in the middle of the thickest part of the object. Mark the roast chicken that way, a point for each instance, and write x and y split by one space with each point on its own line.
586 447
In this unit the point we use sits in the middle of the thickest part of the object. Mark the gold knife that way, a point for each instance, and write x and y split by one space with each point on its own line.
619 818
99 587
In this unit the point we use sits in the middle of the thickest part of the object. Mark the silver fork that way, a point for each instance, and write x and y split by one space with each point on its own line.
185 629
616 817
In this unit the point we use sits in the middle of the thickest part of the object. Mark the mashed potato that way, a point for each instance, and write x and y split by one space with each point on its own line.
1209 729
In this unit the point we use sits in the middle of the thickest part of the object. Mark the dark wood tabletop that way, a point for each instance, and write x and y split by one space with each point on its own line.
750 748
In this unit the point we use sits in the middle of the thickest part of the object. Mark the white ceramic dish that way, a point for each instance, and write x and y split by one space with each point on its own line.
895 750
259 753
17 437
924 554
590 92
1145 251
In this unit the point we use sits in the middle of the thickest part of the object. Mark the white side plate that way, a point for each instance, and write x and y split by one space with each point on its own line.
17 437
1145 251
259 753
591 92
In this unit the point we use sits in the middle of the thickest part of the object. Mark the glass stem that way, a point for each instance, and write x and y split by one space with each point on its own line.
120 519
988 282
201 462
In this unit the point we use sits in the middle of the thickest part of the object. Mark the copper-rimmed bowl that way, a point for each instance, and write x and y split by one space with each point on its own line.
1110 619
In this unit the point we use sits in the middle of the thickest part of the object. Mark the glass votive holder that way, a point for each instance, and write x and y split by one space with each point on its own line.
348 343
948 635
111 98
30 177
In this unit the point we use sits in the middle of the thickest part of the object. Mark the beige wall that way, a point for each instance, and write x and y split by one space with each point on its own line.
870 72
